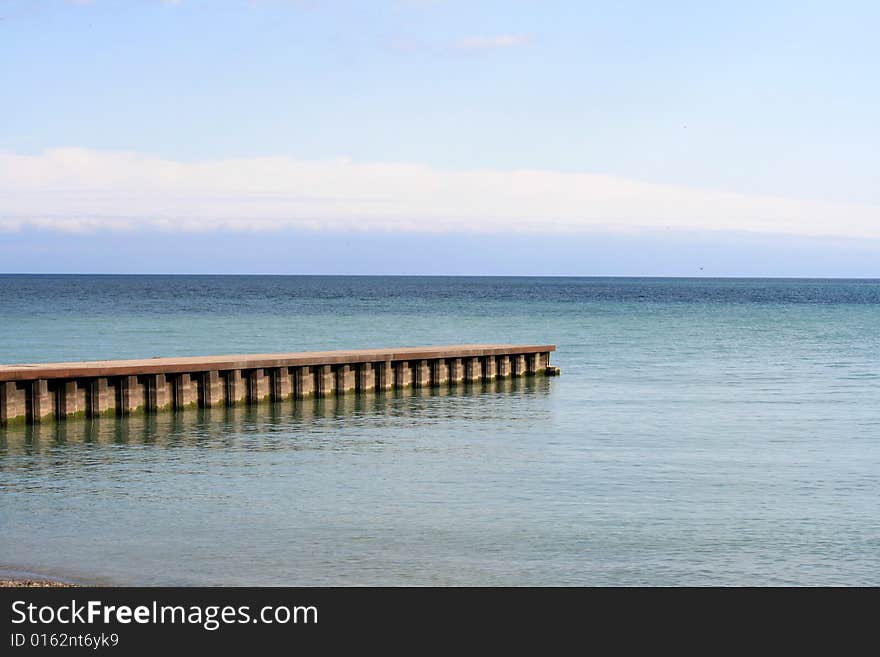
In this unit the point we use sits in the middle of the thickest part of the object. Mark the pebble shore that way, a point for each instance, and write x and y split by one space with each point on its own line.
33 583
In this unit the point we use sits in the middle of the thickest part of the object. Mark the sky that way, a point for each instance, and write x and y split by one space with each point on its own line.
440 137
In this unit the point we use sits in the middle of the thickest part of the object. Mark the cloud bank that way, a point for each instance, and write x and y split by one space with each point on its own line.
73 189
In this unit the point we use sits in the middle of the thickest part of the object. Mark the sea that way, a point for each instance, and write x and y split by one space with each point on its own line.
702 432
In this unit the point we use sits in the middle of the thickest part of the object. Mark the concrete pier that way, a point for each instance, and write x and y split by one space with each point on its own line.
325 380
473 369
102 397
186 391
236 387
456 371
366 378
212 392
158 393
282 384
503 365
345 379
440 373
132 395
42 402
303 382
258 386
385 375
402 375
40 393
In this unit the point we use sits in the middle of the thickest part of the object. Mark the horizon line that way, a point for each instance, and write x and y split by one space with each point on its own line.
594 276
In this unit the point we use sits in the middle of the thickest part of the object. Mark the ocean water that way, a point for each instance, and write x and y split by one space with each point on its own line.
702 432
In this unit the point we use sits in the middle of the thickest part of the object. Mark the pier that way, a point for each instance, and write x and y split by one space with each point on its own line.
45 392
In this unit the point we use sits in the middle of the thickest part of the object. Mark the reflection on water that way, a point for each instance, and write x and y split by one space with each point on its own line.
270 425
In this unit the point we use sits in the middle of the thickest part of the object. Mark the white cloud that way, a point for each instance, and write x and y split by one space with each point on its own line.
79 189
486 42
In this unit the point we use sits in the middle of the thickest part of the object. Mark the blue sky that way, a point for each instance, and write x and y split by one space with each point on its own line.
685 138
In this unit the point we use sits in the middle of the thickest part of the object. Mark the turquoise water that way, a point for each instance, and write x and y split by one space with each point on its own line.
702 432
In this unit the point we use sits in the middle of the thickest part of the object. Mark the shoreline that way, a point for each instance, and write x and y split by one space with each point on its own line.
6 583
20 578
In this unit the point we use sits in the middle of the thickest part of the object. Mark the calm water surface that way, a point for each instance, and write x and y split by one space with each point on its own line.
702 432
